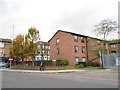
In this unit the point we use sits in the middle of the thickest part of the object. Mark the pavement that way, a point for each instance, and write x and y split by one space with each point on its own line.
51 71
45 71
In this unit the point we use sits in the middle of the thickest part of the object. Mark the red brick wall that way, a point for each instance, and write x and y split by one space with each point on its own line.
117 48
45 68
66 46
91 54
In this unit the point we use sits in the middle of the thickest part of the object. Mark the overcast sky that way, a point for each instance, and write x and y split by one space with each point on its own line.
48 16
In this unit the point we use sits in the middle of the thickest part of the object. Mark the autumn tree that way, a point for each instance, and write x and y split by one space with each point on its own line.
32 37
17 47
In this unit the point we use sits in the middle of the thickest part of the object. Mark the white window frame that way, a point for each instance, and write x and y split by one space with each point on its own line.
38 46
43 52
2 44
76 49
43 46
83 59
83 49
75 38
57 41
82 39
48 52
77 60
93 43
112 45
99 42
58 50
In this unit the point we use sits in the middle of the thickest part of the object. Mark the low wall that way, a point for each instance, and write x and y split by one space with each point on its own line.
45 68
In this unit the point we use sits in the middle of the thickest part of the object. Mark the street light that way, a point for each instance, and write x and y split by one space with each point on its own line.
10 59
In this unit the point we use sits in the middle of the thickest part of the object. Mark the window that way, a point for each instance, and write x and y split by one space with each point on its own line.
46 46
113 51
58 51
43 46
48 57
98 42
83 59
76 38
43 51
38 46
48 52
93 43
1 45
1 53
76 60
82 39
83 49
38 57
76 48
39 51
112 46
49 47
57 41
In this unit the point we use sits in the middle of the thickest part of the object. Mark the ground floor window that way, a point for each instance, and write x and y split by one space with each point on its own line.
83 59
76 60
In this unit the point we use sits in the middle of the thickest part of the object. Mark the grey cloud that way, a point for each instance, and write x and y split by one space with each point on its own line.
81 21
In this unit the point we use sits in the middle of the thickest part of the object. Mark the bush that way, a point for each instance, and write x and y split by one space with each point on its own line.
79 66
95 64
64 62
84 64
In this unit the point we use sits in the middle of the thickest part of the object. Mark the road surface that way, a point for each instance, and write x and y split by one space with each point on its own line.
83 79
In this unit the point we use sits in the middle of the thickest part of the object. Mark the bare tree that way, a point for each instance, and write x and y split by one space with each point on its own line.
104 28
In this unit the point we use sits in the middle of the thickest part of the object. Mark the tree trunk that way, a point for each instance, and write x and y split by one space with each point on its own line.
33 60
101 60
22 61
33 63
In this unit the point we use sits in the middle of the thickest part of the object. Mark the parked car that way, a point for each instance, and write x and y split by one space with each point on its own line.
7 65
3 64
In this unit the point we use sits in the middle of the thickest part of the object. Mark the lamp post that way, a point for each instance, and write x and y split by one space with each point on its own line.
10 59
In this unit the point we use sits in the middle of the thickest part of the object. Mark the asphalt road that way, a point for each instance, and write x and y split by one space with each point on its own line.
84 79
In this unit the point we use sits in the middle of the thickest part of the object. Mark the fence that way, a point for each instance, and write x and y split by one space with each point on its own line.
109 61
48 65
37 63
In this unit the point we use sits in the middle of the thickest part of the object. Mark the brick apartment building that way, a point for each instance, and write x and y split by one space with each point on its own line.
5 48
43 51
73 47
114 47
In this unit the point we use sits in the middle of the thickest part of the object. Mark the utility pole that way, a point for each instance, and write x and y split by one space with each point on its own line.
13 32
12 43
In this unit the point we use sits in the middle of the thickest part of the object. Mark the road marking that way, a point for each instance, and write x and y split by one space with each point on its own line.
81 77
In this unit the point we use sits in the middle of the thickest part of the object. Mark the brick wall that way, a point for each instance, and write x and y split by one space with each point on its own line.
66 46
93 44
24 67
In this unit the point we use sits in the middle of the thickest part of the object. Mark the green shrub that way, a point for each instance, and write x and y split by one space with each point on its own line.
84 64
95 64
64 62
79 66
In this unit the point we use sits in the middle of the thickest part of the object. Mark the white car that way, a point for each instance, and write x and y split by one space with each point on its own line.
2 64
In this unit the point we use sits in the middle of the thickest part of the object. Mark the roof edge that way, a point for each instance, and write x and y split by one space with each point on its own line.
72 34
